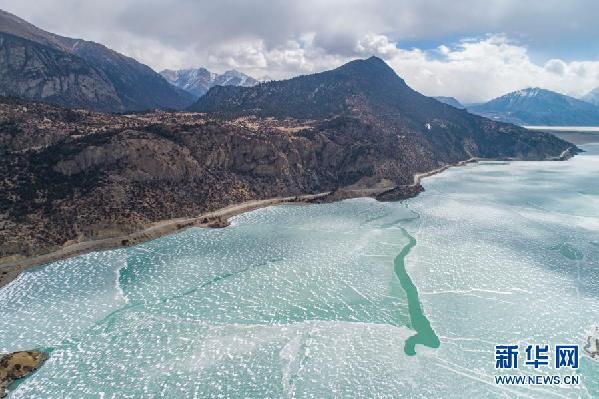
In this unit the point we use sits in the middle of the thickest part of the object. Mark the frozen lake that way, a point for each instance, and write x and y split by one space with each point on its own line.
319 301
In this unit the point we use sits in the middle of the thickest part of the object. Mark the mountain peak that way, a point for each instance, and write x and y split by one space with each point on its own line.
538 106
13 25
535 93
372 64
532 92
197 81
374 59
359 84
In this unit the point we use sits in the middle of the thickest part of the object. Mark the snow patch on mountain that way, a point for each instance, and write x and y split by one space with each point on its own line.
198 81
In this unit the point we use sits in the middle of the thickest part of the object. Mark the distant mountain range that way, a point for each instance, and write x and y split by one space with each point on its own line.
536 106
198 81
450 101
39 65
592 96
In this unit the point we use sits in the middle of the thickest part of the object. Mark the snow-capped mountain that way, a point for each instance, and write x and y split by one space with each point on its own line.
592 96
234 78
198 81
536 106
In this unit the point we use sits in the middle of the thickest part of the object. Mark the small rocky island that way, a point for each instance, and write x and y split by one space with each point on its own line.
18 365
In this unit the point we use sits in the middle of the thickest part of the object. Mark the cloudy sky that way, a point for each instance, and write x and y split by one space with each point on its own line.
471 49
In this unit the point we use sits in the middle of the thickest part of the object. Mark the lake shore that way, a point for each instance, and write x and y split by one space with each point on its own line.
382 191
215 219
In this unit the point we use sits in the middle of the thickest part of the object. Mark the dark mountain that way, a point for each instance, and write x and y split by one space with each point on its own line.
320 95
40 65
419 130
540 107
198 81
450 101
592 96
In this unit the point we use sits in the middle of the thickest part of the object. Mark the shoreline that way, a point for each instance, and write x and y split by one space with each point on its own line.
9 271
214 219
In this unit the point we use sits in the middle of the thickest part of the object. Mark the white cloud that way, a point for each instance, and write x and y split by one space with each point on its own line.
379 45
471 70
475 70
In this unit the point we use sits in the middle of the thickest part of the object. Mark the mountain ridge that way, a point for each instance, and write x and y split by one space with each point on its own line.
537 106
40 65
302 96
450 101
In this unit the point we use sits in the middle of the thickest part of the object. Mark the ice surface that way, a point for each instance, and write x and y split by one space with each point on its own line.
513 248
303 301
46 305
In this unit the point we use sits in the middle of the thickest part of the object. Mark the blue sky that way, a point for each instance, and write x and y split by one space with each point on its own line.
470 49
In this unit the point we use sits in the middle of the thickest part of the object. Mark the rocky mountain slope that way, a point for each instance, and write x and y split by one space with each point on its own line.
540 107
43 66
450 101
74 175
198 81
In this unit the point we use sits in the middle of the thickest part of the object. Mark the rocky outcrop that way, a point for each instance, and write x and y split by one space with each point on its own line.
18 365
